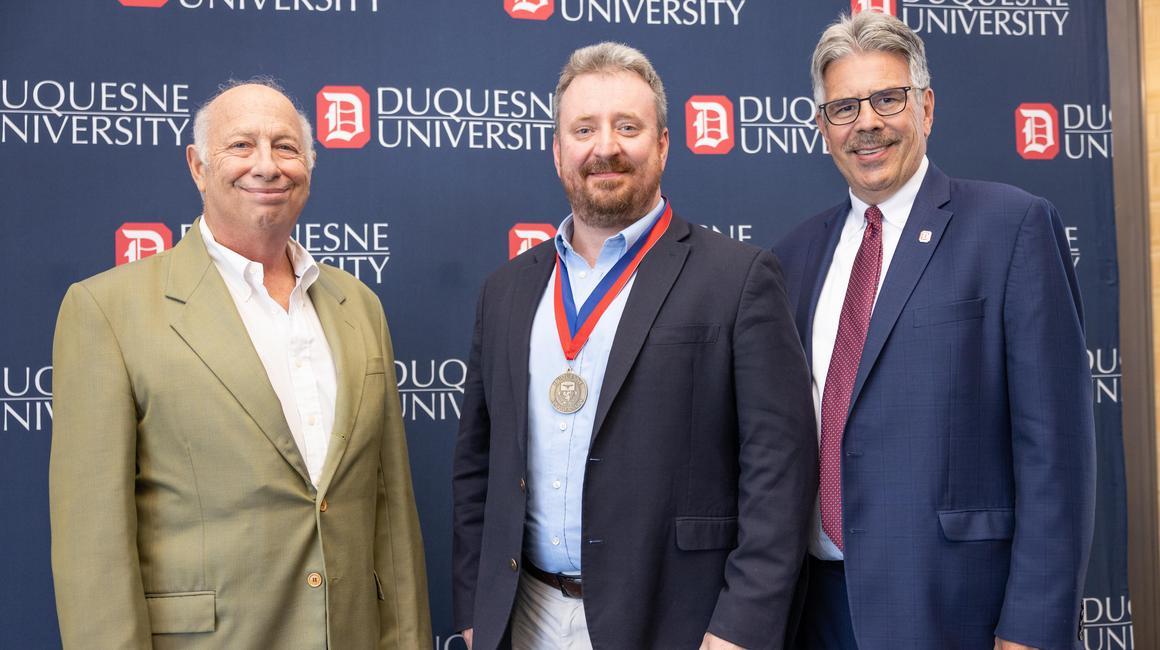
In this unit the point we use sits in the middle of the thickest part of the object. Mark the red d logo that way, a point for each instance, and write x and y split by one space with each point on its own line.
889 7
524 236
144 3
529 9
343 117
709 124
1037 131
140 240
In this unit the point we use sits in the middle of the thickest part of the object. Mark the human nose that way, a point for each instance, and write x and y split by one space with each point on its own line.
606 144
264 164
868 119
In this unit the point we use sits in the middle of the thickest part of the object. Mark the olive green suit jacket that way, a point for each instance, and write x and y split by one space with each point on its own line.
182 512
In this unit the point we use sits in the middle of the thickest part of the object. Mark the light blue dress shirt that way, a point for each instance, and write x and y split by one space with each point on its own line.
558 443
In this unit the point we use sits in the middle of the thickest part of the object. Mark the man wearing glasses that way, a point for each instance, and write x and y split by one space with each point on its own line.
942 322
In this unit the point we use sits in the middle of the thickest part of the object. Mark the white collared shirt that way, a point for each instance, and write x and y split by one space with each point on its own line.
290 343
895 212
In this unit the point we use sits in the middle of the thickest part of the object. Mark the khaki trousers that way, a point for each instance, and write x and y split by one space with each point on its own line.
544 619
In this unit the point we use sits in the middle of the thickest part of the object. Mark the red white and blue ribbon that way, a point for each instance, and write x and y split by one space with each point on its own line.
575 327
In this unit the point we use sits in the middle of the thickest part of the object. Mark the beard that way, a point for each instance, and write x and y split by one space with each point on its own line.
612 203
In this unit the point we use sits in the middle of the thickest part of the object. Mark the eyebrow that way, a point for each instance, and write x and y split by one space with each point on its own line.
616 116
252 133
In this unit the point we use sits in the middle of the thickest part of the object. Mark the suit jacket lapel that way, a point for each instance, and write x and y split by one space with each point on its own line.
906 267
654 279
526 295
818 258
350 364
209 324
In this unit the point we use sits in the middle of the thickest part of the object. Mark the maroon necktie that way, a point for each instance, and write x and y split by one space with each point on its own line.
852 326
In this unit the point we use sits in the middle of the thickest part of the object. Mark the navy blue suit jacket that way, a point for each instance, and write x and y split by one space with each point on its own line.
968 464
703 462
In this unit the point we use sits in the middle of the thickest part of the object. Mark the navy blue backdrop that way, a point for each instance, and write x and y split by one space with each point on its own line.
433 125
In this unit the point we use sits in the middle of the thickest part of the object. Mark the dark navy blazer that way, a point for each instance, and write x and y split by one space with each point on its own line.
703 464
968 464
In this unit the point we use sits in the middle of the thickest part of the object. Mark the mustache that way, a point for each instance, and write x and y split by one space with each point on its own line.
868 141
603 166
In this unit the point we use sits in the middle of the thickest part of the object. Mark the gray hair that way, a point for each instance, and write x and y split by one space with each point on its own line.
201 118
609 57
869 31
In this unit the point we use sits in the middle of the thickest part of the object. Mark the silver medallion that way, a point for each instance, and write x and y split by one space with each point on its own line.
568 392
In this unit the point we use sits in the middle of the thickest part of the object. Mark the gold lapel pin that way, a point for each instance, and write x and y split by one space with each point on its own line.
924 237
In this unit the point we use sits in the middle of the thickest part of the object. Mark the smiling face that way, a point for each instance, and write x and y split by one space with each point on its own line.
876 154
256 177
608 151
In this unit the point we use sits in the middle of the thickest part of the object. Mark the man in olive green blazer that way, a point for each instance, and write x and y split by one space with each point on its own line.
183 513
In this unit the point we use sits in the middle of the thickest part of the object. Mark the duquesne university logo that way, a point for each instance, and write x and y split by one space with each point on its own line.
882 6
25 398
524 236
136 241
976 18
709 124
530 9
1078 131
344 117
1037 131
684 13
144 3
431 389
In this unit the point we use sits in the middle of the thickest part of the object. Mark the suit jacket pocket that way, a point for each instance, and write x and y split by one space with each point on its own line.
375 366
676 334
706 533
949 312
980 525
181 612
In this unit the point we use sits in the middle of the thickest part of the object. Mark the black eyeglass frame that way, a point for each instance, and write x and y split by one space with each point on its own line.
870 99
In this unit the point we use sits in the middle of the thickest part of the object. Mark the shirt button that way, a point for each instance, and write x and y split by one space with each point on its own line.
583 274
555 541
563 426
314 580
556 484
298 363
311 420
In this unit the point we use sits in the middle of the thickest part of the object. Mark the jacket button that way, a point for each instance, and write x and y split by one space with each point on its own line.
314 579
322 506
523 485
515 565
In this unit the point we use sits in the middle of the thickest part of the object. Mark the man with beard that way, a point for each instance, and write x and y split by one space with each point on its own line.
956 499
662 499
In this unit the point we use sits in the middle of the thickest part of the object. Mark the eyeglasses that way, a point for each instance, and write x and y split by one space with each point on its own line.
891 101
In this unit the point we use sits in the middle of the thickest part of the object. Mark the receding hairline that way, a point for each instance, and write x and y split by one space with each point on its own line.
214 104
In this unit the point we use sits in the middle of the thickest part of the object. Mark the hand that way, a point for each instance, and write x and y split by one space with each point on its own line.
1000 644
714 642
467 634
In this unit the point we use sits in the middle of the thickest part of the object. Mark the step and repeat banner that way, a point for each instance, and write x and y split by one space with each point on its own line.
434 130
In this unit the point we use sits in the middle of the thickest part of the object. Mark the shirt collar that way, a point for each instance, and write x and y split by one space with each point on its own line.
895 209
626 238
244 275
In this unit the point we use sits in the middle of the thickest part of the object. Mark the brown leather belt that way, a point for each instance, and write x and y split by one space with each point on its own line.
570 586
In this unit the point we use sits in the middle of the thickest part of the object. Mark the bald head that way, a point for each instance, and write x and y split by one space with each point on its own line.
238 98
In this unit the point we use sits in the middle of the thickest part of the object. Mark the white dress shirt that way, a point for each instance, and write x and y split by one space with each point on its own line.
895 212
290 343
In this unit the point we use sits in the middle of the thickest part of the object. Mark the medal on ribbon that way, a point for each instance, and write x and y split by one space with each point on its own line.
569 392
